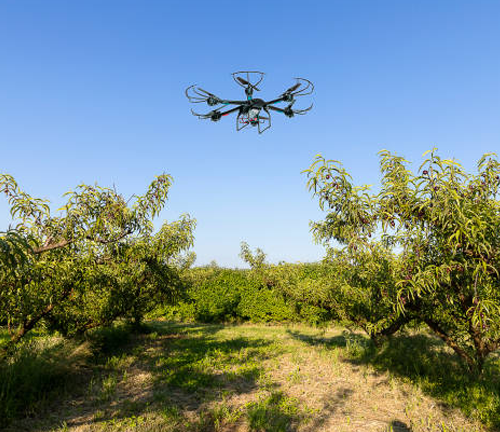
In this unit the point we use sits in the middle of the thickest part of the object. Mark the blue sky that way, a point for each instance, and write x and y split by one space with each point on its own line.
92 91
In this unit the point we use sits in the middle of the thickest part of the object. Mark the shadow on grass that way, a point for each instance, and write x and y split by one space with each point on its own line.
30 379
45 370
190 370
331 404
424 360
276 413
280 413
399 426
194 372
201 366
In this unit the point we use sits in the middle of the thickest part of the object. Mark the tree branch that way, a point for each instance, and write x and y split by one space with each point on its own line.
52 246
63 243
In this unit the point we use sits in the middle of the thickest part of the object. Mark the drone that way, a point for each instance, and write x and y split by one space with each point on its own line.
249 110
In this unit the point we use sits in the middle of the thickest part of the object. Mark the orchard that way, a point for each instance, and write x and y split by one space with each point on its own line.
422 253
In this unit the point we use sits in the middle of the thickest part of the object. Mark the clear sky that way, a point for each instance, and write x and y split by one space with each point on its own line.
92 91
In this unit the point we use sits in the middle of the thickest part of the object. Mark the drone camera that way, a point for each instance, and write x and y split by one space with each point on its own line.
253 113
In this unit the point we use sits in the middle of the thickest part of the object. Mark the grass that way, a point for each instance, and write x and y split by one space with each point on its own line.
37 373
175 377
424 361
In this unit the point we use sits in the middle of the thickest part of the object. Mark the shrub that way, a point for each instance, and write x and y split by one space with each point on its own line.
262 304
258 295
216 299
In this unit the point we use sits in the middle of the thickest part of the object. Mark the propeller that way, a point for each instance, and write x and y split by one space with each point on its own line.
292 88
204 91
292 91
245 82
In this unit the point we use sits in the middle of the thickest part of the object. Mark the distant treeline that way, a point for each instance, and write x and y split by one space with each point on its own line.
277 294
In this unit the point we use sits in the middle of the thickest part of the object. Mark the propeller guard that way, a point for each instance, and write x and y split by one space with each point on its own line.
248 76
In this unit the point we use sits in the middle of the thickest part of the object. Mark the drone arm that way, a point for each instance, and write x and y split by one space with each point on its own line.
215 115
288 111
275 101
229 111
276 109
233 102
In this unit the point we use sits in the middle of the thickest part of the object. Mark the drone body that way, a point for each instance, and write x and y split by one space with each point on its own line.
249 110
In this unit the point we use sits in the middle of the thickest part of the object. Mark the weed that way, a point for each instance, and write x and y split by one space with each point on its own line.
108 388
295 376
274 413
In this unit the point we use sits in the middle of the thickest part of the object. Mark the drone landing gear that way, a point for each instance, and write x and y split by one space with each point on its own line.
268 118
242 121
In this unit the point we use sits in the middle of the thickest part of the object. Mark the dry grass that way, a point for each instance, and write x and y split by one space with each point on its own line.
352 398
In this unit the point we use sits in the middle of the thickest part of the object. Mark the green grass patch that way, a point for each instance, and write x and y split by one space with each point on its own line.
202 360
276 413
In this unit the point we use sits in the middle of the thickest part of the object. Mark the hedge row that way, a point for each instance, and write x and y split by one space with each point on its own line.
235 295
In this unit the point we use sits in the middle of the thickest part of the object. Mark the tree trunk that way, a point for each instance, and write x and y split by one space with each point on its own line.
378 337
472 363
29 324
